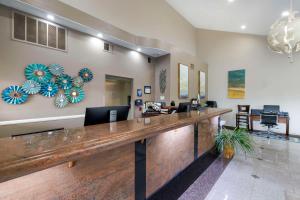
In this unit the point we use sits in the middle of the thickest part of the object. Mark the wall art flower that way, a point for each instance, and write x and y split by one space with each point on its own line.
14 95
86 74
31 87
75 95
64 82
49 89
38 72
78 81
61 101
56 69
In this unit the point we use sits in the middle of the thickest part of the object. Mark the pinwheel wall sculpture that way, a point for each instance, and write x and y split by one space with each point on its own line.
49 81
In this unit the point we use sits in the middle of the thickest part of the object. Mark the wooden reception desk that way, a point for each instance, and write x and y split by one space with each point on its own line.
122 160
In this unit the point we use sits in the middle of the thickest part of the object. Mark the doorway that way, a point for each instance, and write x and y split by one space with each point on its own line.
118 92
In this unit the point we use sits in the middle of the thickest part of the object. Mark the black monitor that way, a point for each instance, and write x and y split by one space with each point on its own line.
101 115
211 104
184 107
271 109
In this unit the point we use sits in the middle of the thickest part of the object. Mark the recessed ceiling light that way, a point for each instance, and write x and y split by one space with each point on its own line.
243 27
285 13
230 1
100 35
51 17
139 49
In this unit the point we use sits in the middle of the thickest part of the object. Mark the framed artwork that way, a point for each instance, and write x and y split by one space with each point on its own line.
202 84
147 89
236 84
183 81
139 92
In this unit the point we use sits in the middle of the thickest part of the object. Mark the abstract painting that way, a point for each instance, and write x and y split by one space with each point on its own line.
183 81
236 84
202 84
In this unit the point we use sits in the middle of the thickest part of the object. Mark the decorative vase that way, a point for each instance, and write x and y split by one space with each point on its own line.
228 151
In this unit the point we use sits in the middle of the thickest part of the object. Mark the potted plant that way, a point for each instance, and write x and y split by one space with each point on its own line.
229 141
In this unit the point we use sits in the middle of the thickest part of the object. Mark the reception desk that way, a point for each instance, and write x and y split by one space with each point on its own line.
121 160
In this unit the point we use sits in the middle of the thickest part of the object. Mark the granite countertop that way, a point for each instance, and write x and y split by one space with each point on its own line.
30 153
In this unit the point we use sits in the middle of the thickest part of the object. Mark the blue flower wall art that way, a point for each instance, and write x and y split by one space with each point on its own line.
56 69
50 82
38 72
31 87
64 82
14 95
61 101
86 74
75 95
49 89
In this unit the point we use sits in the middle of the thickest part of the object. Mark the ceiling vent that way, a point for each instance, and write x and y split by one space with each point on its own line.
37 31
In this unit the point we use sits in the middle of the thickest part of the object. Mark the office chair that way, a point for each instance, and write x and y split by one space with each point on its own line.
184 107
270 121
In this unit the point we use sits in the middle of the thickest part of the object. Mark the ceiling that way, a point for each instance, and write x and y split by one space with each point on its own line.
257 15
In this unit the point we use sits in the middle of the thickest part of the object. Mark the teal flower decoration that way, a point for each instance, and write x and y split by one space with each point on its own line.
38 72
78 81
61 101
56 69
31 87
64 82
86 74
14 95
49 89
75 95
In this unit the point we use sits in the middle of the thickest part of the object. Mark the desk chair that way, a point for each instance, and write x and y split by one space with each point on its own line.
243 116
184 107
270 121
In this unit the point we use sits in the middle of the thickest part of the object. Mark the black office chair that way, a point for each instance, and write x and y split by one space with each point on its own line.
269 120
184 107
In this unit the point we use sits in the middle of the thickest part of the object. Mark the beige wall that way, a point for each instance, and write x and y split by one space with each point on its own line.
149 18
83 51
270 78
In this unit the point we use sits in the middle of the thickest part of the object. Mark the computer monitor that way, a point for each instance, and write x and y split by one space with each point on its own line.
184 107
271 109
100 115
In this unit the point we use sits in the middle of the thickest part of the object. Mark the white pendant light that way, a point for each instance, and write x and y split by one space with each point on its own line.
284 35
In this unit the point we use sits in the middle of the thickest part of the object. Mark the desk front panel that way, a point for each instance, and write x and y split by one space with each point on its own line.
167 155
107 175
207 129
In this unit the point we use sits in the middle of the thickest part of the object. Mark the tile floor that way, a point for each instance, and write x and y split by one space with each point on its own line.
271 173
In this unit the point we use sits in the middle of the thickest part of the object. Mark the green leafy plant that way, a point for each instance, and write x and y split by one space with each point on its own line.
235 139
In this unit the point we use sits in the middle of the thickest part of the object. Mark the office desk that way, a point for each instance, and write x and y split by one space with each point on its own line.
121 160
282 118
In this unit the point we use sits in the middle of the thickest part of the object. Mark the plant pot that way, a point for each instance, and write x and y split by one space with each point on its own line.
228 152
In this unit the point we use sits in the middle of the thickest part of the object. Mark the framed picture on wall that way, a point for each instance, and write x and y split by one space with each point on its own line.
236 84
147 89
139 92
202 84
183 81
